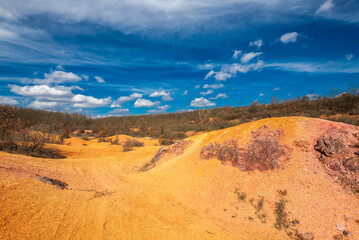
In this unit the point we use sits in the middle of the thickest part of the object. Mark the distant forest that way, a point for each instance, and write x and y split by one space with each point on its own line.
173 126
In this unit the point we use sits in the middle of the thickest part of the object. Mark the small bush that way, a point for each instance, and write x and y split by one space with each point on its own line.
115 141
85 138
130 143
165 141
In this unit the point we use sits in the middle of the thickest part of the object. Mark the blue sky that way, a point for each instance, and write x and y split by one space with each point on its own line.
113 58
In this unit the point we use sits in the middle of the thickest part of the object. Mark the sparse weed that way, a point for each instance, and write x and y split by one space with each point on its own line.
283 221
241 195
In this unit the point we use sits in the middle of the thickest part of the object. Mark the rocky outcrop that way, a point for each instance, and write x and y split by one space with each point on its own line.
176 149
337 151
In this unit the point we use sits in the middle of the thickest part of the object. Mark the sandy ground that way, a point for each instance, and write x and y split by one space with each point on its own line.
182 198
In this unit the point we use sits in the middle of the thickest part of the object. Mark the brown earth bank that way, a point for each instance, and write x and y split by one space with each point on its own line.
278 178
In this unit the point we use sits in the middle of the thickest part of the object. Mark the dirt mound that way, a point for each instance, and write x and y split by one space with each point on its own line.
338 152
263 153
176 149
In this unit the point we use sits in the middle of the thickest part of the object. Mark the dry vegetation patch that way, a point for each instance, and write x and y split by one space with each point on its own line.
263 153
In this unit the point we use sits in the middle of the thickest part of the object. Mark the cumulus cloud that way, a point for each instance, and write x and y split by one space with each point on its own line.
185 92
289 37
261 94
229 71
42 91
325 7
119 112
213 86
237 53
208 92
220 95
276 89
202 102
82 101
312 96
144 103
8 101
124 99
159 109
349 57
210 74
249 56
58 97
136 95
197 86
58 77
258 43
44 105
165 95
99 79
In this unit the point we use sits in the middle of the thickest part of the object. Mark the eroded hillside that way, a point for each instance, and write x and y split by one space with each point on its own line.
277 178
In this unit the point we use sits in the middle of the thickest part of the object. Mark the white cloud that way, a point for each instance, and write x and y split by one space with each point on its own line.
6 34
213 86
42 91
8 101
44 105
124 99
312 96
276 89
261 94
220 95
119 112
289 37
144 103
325 7
81 101
136 95
58 77
223 76
349 56
197 86
258 43
159 109
315 67
85 77
208 92
249 56
58 97
7 15
237 53
165 95
210 74
59 67
185 92
99 79
206 66
202 102
232 70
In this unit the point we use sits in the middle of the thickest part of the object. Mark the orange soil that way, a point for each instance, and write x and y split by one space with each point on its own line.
182 198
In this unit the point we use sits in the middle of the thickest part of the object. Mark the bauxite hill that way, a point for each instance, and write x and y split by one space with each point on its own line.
278 178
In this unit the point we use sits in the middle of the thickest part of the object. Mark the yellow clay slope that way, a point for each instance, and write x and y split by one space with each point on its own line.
183 197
